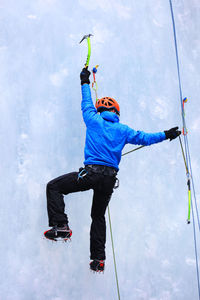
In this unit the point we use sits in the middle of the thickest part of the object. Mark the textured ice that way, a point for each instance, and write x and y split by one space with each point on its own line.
42 136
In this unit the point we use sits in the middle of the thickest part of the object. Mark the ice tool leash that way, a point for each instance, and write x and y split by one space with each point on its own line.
186 154
95 87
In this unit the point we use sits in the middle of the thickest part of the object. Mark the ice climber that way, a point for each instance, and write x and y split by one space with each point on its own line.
105 139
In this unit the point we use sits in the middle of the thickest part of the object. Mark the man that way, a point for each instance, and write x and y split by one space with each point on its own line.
105 139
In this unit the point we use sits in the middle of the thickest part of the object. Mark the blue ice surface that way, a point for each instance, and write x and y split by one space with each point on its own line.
42 136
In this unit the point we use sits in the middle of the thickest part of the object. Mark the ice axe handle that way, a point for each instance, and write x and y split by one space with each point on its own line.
89 52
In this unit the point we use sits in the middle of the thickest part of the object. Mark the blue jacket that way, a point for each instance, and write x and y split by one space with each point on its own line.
106 137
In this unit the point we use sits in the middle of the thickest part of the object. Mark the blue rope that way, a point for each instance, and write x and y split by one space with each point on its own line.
179 77
188 159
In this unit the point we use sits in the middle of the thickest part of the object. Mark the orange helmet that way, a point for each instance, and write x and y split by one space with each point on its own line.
107 103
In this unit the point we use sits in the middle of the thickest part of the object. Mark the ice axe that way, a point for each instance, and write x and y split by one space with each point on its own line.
87 36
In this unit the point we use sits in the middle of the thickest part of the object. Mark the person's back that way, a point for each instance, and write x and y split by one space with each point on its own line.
106 136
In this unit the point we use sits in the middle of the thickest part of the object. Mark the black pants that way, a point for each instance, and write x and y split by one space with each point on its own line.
102 181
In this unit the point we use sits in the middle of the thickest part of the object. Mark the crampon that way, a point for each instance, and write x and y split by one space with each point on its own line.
56 233
97 265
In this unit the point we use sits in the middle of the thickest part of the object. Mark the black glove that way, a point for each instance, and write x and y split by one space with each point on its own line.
172 133
85 74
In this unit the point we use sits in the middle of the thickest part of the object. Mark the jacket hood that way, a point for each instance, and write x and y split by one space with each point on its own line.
110 116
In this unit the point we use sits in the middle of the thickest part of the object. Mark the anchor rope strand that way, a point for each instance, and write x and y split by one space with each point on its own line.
113 249
187 152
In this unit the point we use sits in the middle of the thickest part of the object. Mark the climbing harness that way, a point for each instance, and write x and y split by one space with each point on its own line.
187 158
101 169
82 173
104 170
116 183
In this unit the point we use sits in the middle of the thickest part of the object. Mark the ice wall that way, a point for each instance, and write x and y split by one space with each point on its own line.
42 136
